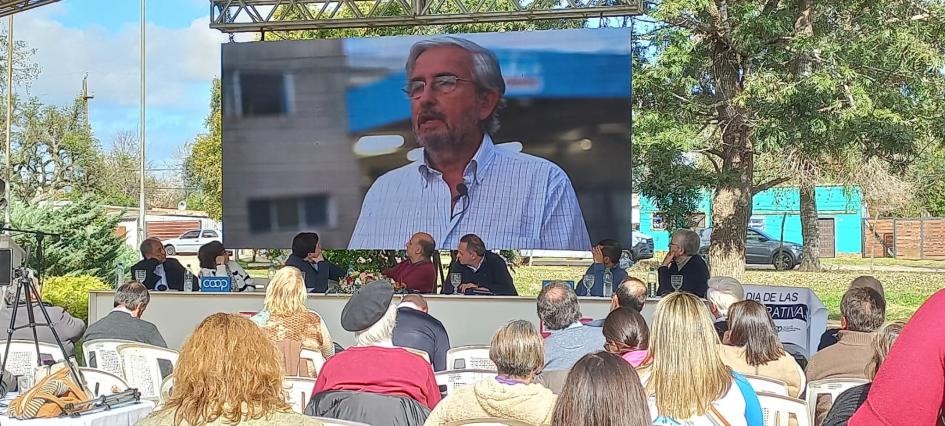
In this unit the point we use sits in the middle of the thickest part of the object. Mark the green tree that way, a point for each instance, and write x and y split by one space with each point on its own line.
203 167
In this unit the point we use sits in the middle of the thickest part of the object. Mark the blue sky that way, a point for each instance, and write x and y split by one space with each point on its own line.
100 37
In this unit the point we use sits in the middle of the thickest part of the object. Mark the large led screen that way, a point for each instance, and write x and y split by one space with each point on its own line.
522 138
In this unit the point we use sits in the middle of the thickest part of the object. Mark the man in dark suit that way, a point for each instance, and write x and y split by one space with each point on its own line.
163 273
124 322
481 270
417 329
307 257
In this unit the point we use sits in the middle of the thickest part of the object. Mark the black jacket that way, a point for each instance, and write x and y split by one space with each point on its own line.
418 330
493 274
695 277
316 281
173 272
369 408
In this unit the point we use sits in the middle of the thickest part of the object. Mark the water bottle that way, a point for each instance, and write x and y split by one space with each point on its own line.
188 279
119 274
608 282
651 283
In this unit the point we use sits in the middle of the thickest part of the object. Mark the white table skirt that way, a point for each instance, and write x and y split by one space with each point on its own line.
121 416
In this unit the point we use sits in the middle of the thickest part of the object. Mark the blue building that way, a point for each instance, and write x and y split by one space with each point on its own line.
839 209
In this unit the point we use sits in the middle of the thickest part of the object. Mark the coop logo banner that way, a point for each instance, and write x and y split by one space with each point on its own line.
798 314
216 284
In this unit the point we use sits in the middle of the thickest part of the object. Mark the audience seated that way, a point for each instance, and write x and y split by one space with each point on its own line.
602 390
688 383
630 293
864 281
227 373
908 388
307 257
288 323
68 328
682 259
374 365
627 335
417 272
417 329
752 346
215 262
161 272
124 322
606 256
851 399
722 293
558 310
481 270
516 350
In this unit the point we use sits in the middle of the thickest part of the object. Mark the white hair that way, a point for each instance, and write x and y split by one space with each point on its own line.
379 332
723 292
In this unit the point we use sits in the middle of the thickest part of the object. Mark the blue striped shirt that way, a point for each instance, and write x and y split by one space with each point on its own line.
514 201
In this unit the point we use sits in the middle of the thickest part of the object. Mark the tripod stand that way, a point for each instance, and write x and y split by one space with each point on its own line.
24 284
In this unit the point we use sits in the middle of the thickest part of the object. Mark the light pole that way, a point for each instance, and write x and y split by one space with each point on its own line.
142 224
9 144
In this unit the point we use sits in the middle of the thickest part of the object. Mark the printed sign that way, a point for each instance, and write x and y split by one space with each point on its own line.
801 318
216 284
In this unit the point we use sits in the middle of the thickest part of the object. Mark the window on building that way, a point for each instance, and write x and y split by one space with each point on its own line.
290 214
265 93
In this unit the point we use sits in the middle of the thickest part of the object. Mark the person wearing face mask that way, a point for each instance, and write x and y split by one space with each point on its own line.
307 257
683 265
124 322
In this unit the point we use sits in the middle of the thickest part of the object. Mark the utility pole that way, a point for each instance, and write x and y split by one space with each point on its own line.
142 224
85 100
9 145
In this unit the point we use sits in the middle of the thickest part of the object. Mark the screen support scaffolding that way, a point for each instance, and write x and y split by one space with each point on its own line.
9 7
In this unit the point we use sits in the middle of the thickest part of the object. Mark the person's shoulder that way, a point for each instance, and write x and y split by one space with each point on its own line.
398 175
291 418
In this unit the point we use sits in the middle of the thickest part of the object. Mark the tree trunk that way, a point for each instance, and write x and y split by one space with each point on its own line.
730 208
810 233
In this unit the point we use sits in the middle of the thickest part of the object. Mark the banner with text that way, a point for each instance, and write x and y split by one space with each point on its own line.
799 315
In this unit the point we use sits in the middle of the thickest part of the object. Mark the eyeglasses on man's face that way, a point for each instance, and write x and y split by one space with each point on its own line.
441 85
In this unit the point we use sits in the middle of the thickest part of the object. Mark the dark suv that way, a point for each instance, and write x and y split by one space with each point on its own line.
761 249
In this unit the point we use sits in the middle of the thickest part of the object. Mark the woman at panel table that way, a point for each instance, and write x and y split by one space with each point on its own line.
215 262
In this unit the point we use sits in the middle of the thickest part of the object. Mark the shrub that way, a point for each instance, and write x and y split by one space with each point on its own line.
72 293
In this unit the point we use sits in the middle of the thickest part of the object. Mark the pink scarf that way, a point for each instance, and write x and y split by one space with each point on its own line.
635 358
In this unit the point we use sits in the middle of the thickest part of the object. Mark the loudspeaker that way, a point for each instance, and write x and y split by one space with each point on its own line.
11 256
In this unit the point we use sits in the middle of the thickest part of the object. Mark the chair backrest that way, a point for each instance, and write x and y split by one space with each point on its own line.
23 355
833 387
316 358
298 390
777 410
142 369
803 386
167 386
327 421
100 382
469 357
767 384
103 355
453 379
487 421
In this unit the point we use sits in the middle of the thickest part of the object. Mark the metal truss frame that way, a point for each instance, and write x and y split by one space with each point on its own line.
233 16
9 7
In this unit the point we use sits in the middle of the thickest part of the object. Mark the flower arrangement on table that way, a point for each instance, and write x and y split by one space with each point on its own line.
352 283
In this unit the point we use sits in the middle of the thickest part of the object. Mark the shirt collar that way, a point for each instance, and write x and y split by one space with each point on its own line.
122 309
478 265
474 170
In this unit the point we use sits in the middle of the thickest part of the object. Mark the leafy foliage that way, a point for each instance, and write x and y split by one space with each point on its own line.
364 260
72 293
203 167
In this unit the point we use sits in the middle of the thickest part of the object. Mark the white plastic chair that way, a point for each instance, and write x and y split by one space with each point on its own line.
803 383
777 410
469 357
833 387
315 357
101 382
767 384
23 356
297 391
167 386
103 355
487 421
327 421
142 367
454 379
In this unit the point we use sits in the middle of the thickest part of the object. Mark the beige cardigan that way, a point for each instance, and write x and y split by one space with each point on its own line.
533 404
784 369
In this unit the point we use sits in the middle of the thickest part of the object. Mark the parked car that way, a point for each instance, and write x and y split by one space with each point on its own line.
762 249
641 246
190 241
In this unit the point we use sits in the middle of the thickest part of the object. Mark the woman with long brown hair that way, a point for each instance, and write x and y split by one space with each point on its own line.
227 373
627 335
602 390
752 346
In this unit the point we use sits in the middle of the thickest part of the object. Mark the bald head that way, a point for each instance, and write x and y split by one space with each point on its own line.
868 281
416 300
420 247
631 293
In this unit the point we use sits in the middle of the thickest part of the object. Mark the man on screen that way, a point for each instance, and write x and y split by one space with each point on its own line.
480 270
463 183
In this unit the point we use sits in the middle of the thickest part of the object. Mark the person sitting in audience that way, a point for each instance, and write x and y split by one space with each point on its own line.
722 293
682 262
374 365
864 311
606 256
307 257
630 293
215 262
907 390
627 335
480 269
864 281
68 328
227 373
559 311
124 322
416 272
516 350
602 390
417 329
688 383
851 399
288 323
752 346
161 272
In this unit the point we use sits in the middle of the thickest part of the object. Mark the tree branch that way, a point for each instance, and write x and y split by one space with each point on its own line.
769 184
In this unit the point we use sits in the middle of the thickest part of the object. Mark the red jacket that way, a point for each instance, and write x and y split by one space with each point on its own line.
386 371
419 277
909 388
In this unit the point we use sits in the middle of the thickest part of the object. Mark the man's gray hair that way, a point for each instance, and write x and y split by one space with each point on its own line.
149 246
689 240
379 332
132 295
485 72
558 306
723 292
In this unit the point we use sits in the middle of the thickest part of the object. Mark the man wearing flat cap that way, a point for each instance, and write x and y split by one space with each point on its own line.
374 365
